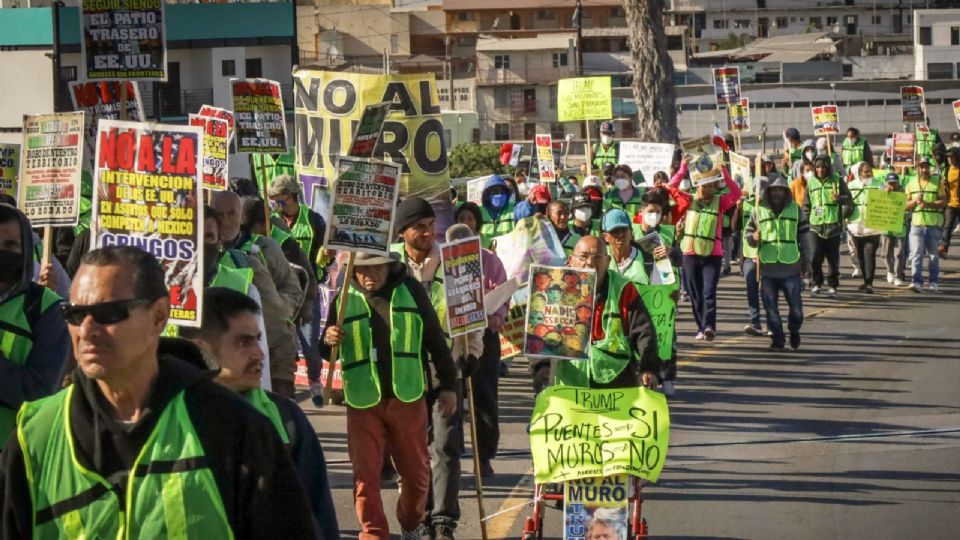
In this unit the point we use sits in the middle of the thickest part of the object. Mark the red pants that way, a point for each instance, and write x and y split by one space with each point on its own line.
401 427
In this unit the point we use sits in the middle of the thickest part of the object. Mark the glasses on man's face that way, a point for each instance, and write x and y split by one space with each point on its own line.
112 312
590 257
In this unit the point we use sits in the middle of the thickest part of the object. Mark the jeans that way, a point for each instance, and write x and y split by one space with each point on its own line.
829 249
951 216
485 396
701 275
924 241
866 255
753 291
309 335
446 447
791 287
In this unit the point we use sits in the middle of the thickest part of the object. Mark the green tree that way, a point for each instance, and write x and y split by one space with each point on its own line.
470 159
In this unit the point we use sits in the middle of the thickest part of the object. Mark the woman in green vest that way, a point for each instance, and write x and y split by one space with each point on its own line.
866 241
855 149
625 193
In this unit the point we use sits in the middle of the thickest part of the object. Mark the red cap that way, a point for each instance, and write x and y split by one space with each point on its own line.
539 194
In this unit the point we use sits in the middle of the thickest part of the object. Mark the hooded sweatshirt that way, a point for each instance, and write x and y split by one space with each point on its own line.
858 190
492 182
778 270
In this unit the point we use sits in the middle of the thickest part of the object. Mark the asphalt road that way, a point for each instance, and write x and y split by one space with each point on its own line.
857 435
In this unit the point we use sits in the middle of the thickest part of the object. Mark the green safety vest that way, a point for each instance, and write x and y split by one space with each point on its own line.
261 401
602 156
749 252
493 228
569 241
926 217
301 230
594 226
607 357
83 223
635 272
361 383
438 296
668 234
796 154
700 229
631 207
852 153
926 142
858 191
18 315
778 234
237 279
820 193
170 493
280 236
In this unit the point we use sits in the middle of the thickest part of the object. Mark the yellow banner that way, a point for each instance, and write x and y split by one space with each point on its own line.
9 168
328 106
584 98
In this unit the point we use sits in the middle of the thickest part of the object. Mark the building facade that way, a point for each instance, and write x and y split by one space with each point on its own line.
936 45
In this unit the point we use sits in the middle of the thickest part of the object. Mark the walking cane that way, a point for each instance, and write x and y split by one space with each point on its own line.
341 314
473 442
758 168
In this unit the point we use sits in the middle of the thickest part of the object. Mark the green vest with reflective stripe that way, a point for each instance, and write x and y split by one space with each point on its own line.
926 142
17 317
594 229
778 234
749 252
83 223
602 156
261 401
796 154
569 241
493 228
852 153
280 236
438 296
170 493
700 229
237 279
635 272
631 207
609 356
926 217
858 191
301 230
361 383
823 209
668 235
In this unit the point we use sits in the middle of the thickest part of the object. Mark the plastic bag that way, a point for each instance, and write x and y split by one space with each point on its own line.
532 241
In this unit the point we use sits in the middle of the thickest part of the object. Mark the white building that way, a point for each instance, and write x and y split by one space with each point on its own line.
936 44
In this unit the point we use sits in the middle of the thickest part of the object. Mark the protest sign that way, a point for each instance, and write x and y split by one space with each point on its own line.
646 158
51 159
475 189
214 152
584 98
726 85
580 433
826 120
147 195
904 145
320 199
513 331
463 286
258 108
222 114
534 166
738 116
100 100
740 169
362 205
698 145
123 40
596 508
368 130
956 112
9 168
912 104
705 168
663 312
885 211
560 312
329 104
544 153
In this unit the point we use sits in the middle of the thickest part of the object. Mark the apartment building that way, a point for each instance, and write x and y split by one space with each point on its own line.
936 45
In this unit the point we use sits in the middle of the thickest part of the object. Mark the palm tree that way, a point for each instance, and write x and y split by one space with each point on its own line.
652 71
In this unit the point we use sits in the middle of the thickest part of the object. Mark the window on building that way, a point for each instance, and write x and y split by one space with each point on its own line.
720 24
939 70
467 41
228 68
501 97
782 22
529 100
848 70
926 36
816 22
465 16
553 98
955 35
559 59
546 14
762 4
876 19
501 131
617 13
529 131
741 23
68 74
394 44
831 21
556 131
501 61
254 68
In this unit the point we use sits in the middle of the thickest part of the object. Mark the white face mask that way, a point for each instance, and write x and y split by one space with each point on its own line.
810 155
582 215
808 175
622 183
651 219
606 139
523 188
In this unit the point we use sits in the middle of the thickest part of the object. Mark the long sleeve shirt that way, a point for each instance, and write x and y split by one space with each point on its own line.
727 201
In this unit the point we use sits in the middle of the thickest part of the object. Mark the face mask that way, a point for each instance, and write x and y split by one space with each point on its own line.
11 266
808 175
499 200
523 188
810 155
606 139
651 219
582 215
622 183
539 209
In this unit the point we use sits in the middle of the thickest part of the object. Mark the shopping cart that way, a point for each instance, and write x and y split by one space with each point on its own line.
533 526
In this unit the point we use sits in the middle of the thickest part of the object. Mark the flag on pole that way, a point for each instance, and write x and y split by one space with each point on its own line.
510 154
718 139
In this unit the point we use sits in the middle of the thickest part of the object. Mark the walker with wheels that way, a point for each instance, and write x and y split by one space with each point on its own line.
533 525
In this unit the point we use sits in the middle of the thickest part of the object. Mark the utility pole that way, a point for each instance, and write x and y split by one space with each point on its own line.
56 55
453 100
578 21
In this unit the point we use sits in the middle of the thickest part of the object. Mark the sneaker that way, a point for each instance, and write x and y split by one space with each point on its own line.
700 336
898 282
486 469
868 289
794 341
316 394
776 346
442 531
815 289
416 534
933 287
832 292
862 288
751 330
891 277
684 297
856 273
709 334
915 287
668 388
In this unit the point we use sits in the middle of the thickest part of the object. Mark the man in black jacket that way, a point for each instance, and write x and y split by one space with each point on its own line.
204 463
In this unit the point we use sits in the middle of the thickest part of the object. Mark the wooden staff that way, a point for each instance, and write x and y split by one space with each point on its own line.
473 442
123 100
589 160
756 188
341 313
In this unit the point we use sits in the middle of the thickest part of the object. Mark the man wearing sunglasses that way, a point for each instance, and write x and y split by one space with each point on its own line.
144 444
34 343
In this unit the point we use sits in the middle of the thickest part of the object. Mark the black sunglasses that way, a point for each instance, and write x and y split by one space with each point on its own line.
103 313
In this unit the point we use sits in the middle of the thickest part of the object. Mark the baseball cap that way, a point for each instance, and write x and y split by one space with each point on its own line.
580 200
606 127
924 160
892 178
539 194
615 219
283 185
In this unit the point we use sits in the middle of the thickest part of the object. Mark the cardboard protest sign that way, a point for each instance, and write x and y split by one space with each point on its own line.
885 211
545 164
912 104
904 146
956 112
123 40
147 195
329 104
475 189
222 114
579 433
560 312
726 85
705 168
362 205
215 151
51 159
463 286
596 508
663 312
9 168
738 116
741 169
584 98
258 108
826 120
694 146
646 158
513 331
368 130
534 166
100 100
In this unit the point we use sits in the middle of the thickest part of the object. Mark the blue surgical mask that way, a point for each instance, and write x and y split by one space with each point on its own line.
499 200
